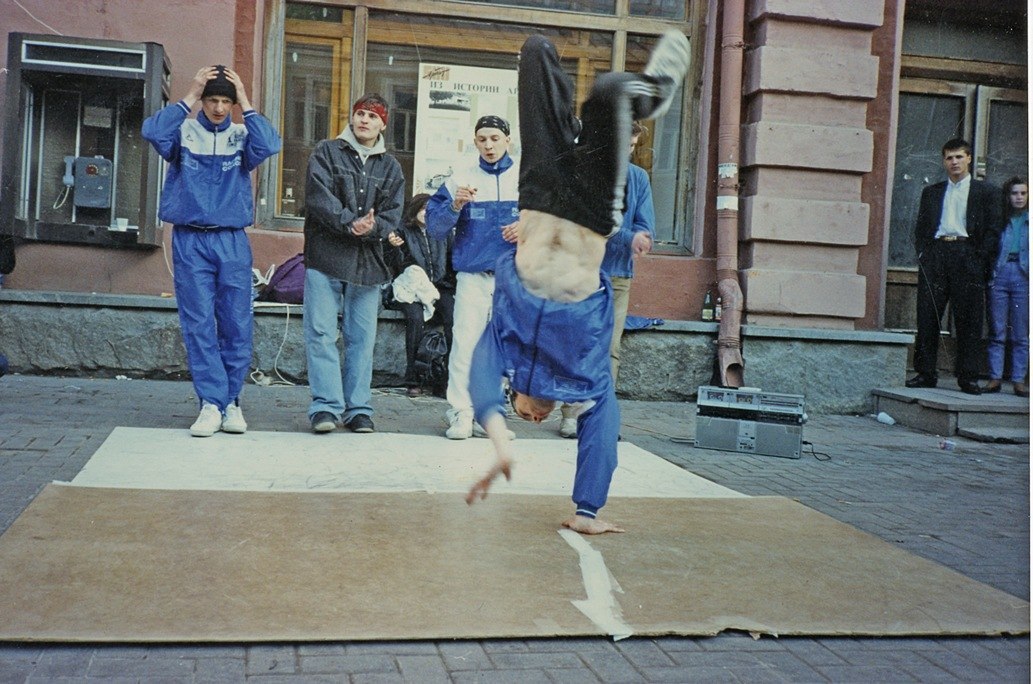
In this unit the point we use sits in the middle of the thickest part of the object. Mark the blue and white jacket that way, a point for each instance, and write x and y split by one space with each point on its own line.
208 181
1015 224
478 226
639 217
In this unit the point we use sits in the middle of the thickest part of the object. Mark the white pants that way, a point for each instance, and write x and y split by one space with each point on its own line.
472 313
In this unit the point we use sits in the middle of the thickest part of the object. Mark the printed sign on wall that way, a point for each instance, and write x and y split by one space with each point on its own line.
450 100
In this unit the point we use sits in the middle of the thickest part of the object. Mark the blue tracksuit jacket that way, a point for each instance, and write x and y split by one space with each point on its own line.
208 182
559 351
639 217
478 226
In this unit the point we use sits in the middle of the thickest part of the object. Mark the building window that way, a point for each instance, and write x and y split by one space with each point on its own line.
318 56
587 6
674 10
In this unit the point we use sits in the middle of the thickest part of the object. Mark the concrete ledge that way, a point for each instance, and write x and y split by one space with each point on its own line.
138 336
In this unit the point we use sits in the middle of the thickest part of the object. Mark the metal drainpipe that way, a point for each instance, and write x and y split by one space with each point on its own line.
729 357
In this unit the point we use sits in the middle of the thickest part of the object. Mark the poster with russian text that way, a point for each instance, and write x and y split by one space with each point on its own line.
450 99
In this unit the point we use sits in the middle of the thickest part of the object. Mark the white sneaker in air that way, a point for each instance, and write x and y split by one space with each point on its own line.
208 422
669 60
234 421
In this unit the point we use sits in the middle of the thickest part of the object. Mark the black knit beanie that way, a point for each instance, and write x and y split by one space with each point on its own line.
220 85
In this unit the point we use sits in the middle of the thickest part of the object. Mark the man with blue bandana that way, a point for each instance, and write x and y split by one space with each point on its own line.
552 320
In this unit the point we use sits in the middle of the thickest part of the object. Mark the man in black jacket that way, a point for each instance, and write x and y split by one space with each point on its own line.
956 236
353 199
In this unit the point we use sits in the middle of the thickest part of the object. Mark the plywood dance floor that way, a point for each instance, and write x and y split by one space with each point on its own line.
104 563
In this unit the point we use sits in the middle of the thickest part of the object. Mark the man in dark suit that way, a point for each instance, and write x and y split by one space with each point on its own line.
956 237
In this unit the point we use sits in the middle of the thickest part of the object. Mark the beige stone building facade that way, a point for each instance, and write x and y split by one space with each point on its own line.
842 109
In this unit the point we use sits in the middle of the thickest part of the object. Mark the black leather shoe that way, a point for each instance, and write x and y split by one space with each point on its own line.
921 380
360 422
969 387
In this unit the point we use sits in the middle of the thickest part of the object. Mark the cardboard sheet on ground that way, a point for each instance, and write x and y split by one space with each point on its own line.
145 458
99 564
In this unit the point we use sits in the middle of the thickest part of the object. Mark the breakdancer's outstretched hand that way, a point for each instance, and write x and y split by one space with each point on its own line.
495 426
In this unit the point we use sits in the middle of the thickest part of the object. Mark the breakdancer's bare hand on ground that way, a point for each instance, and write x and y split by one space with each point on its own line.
586 525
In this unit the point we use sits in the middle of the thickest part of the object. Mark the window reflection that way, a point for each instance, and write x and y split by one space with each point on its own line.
307 101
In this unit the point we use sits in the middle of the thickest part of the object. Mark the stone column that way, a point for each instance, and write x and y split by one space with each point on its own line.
810 77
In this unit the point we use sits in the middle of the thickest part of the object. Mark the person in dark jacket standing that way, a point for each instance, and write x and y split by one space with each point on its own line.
411 246
208 200
956 237
353 199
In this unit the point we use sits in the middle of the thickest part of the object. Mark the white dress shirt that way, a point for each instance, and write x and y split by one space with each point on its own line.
955 209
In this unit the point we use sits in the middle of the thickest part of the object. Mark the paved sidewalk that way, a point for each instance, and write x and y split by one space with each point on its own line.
967 509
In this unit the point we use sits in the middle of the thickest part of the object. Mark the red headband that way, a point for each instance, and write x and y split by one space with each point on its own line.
372 106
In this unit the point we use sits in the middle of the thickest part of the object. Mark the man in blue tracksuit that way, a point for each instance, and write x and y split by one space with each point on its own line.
634 238
480 204
553 311
208 199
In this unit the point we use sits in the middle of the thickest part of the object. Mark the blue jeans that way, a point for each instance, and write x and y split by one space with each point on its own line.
1009 309
341 391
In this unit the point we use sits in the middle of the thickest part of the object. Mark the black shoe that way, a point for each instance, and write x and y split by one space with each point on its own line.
969 387
323 422
921 380
360 422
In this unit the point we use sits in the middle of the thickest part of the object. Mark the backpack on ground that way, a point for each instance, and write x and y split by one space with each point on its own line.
431 362
287 284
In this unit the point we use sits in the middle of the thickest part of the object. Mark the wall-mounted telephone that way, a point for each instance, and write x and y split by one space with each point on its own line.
89 181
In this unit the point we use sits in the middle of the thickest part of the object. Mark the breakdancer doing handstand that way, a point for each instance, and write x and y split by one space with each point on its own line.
552 312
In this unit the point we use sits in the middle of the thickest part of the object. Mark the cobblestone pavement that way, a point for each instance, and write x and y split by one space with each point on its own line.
967 509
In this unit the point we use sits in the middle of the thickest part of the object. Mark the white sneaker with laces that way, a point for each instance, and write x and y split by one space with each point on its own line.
460 425
208 422
669 60
478 431
568 428
234 421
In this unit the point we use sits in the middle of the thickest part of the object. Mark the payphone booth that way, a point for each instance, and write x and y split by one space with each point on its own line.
75 168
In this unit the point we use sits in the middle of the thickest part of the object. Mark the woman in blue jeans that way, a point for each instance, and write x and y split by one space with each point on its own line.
1009 292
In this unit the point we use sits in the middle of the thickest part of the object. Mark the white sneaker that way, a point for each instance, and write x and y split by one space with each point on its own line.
669 60
568 428
234 421
478 431
208 421
460 425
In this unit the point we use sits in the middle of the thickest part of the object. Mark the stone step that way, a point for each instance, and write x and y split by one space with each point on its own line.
999 435
944 411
